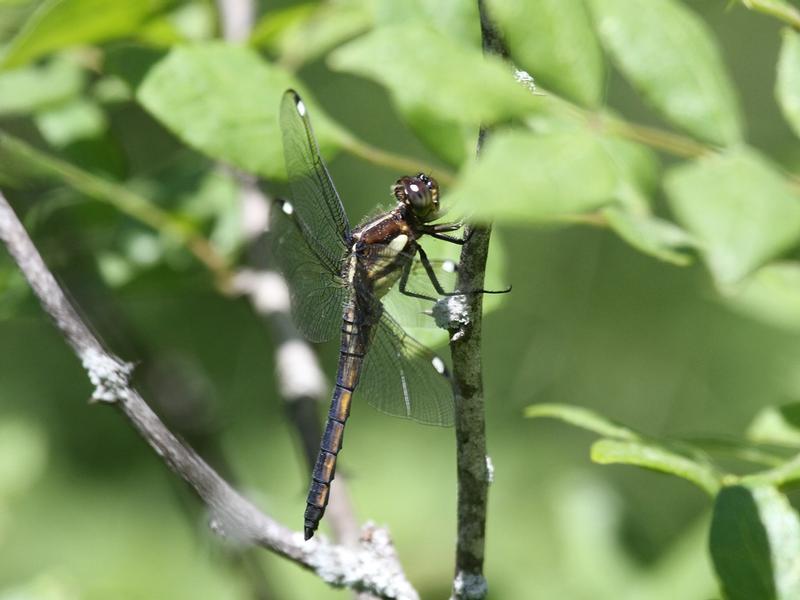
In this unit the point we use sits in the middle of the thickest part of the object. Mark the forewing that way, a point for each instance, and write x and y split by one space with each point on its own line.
319 210
317 293
403 378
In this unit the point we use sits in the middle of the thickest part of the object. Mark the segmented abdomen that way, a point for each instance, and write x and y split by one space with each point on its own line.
351 357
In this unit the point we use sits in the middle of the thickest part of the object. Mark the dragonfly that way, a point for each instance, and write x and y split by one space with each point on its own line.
339 275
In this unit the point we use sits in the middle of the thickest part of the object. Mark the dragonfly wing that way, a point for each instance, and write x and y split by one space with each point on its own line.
403 378
317 294
319 210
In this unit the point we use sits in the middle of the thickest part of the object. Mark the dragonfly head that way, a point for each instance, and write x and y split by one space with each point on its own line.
420 193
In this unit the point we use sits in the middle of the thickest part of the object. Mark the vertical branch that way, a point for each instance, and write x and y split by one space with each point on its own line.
465 345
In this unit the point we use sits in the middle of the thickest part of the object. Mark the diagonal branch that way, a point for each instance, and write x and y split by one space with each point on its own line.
372 567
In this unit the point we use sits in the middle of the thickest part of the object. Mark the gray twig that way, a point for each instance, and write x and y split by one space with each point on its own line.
465 345
372 566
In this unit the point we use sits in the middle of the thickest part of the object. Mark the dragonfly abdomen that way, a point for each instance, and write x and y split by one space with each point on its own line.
351 357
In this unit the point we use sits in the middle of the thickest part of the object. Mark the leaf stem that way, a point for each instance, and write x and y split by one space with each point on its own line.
120 198
776 8
406 164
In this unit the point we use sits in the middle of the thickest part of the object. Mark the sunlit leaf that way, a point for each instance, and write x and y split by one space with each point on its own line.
777 425
583 418
454 18
671 57
460 85
77 120
29 89
656 458
651 235
534 178
555 42
223 100
755 544
771 295
740 209
787 87
59 24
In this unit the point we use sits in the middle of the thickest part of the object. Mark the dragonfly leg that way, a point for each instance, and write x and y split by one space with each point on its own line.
438 287
440 233
407 271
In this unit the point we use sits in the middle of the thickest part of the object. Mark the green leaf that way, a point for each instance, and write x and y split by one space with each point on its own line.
460 85
671 57
656 458
771 295
454 18
740 209
777 425
29 89
650 235
58 24
787 86
223 101
583 418
541 177
755 544
77 120
554 41
303 33
23 456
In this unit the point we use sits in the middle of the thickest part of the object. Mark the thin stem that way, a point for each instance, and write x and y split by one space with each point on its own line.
776 8
372 567
120 198
402 163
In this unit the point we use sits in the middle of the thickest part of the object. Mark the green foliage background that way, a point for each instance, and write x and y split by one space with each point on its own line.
648 216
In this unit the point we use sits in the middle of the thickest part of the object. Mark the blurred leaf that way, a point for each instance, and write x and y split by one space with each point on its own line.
535 178
450 140
76 120
131 62
115 269
59 24
651 235
771 295
456 19
739 207
583 418
223 100
755 544
635 164
460 85
275 24
656 458
303 33
23 456
29 89
777 425
554 41
671 57
787 87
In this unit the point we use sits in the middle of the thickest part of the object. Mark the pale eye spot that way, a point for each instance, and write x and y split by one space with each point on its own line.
438 364
449 266
287 208
301 108
413 187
